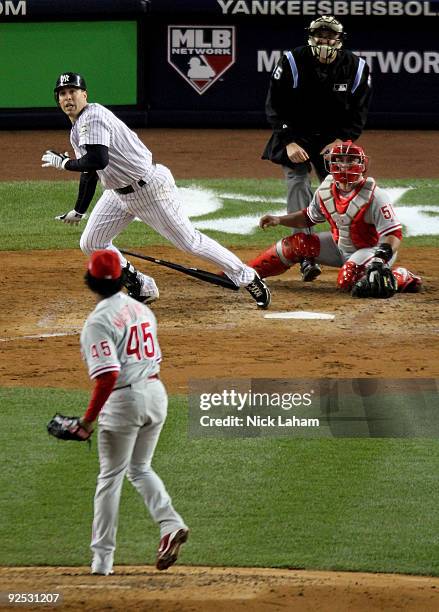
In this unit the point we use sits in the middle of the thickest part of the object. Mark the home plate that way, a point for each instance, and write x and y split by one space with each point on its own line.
297 314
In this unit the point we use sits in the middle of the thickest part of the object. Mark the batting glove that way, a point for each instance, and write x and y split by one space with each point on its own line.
55 160
72 217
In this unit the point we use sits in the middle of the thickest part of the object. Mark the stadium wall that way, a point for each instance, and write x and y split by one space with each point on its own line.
206 64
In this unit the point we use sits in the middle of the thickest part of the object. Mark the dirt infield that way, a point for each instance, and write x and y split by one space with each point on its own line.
223 153
207 332
200 324
206 589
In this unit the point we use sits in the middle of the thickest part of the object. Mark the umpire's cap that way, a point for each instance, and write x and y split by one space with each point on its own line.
69 79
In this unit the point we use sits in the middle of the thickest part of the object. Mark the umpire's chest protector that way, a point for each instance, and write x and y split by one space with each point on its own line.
320 95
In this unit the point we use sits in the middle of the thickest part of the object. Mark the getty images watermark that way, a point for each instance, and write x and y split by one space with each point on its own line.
314 408
249 409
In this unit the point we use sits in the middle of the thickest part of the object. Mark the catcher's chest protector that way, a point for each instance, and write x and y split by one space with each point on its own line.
346 215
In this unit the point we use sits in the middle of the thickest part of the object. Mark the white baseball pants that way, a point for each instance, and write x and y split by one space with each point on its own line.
129 429
158 205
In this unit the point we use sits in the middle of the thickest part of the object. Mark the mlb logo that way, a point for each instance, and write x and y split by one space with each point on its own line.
340 86
201 54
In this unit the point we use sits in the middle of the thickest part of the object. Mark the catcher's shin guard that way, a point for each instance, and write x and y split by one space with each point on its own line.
407 281
348 275
269 263
281 256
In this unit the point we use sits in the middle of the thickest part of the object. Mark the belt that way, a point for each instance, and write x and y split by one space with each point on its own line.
129 188
152 377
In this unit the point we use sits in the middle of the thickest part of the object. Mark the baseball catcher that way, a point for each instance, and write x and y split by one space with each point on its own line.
365 232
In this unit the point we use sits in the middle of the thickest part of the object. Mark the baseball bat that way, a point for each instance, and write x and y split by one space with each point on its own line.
203 275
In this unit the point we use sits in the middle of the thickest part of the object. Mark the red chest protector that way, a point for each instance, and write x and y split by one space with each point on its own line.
346 214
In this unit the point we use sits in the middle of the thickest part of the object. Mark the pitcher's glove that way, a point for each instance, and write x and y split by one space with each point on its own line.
67 428
378 282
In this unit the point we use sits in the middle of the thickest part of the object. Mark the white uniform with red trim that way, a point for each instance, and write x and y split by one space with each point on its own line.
120 335
358 219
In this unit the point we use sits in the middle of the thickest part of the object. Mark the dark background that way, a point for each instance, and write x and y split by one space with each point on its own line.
401 100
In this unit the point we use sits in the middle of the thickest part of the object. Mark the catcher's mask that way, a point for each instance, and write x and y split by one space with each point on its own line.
69 79
325 37
347 163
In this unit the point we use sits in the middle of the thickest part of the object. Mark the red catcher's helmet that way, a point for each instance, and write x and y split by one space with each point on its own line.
347 162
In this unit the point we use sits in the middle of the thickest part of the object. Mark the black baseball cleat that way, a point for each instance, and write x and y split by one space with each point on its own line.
169 547
310 270
137 287
259 292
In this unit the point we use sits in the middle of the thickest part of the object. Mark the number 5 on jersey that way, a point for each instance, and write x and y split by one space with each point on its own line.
140 342
387 211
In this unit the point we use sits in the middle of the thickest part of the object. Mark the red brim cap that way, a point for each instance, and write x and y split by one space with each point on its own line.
105 264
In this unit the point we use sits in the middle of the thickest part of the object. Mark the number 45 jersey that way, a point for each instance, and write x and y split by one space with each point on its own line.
120 335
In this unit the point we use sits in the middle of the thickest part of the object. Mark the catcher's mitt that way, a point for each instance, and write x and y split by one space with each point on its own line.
67 428
378 282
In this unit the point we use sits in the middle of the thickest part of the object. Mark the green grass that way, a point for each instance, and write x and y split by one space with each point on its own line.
28 210
331 504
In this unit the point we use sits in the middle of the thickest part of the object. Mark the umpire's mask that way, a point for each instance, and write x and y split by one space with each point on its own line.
325 37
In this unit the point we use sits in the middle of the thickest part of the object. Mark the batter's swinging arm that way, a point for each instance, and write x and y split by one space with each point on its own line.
207 277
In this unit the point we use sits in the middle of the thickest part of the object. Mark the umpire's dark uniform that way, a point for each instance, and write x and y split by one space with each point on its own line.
313 104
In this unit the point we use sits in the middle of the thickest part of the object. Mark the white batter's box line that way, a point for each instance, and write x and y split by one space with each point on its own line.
39 336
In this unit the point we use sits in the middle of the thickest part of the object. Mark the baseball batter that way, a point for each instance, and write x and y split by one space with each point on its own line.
134 186
365 232
120 347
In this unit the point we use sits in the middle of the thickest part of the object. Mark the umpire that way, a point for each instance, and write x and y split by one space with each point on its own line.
319 96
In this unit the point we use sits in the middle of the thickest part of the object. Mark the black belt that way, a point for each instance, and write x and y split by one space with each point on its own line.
152 377
129 188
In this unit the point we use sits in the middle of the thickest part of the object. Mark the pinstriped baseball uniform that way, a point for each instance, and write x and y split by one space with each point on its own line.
120 335
367 211
156 203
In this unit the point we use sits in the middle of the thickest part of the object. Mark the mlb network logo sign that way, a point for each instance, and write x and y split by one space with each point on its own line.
201 54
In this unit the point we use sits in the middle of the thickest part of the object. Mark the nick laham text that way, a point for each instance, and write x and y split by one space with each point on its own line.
257 421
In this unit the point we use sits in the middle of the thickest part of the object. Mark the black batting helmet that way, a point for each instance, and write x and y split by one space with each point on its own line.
69 79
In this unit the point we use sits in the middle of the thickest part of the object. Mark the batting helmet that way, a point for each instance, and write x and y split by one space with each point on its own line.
69 79
329 28
347 162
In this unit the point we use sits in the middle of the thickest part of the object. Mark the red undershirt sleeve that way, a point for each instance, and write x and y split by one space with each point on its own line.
103 387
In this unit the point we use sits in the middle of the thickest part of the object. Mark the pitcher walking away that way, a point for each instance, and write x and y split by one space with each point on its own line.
120 347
